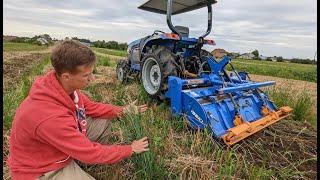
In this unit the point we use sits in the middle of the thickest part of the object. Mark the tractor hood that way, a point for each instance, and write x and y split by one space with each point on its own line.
178 6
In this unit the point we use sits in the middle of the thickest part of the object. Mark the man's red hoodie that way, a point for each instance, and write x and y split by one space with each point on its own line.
45 135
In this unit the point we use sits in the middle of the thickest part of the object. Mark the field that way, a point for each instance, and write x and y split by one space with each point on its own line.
9 46
110 51
285 150
305 72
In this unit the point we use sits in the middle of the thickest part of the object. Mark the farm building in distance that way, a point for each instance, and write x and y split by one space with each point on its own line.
263 57
233 55
246 56
44 39
219 53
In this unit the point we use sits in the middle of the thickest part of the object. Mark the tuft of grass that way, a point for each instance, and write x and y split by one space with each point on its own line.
280 97
103 61
120 96
93 91
301 103
143 96
302 107
230 162
146 164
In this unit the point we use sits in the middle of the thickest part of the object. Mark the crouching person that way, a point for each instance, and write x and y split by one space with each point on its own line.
51 128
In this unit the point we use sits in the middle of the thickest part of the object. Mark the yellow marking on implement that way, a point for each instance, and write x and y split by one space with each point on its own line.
265 111
246 129
237 120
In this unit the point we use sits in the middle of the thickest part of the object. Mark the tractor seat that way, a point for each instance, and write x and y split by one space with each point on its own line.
184 31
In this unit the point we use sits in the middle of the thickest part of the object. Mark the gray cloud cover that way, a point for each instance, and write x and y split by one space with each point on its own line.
285 28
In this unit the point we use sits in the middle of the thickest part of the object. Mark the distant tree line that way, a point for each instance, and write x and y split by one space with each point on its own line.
281 59
110 45
81 40
302 61
104 44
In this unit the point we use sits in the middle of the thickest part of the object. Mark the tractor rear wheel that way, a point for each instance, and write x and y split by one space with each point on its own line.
157 65
122 71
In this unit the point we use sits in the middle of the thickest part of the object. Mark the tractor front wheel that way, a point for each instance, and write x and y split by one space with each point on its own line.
122 71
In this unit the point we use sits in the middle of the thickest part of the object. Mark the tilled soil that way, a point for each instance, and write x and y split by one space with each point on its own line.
15 64
286 144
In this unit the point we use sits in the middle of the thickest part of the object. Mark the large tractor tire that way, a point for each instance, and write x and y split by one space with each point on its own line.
122 71
157 65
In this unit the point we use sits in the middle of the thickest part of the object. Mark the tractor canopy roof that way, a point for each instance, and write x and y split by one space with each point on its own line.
178 6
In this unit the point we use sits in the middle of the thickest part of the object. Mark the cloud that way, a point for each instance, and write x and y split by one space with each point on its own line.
285 28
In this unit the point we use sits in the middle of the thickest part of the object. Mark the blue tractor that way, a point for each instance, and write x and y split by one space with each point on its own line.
173 66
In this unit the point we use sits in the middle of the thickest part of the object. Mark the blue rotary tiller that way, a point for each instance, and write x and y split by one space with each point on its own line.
174 66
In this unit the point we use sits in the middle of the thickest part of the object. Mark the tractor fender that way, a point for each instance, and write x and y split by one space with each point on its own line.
137 48
157 40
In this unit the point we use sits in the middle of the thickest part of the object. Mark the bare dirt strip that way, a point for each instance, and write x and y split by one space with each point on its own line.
15 64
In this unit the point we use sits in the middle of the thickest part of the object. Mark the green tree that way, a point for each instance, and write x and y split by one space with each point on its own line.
75 38
256 54
280 59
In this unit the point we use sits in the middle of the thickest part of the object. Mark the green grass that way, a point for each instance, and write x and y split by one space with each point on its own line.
302 103
15 95
146 164
92 90
103 61
305 72
110 51
11 46
176 152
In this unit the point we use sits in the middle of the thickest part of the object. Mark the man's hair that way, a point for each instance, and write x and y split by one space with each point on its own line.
70 54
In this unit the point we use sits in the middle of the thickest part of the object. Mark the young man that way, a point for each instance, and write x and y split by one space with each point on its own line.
51 129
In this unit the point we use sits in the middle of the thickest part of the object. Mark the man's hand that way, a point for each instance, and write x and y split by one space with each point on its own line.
140 146
134 109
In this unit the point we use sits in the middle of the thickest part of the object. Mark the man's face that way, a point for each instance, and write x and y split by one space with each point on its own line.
81 78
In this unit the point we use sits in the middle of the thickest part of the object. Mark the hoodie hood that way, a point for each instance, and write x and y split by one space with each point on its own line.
47 88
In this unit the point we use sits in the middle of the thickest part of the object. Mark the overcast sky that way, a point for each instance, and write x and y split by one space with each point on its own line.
285 28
